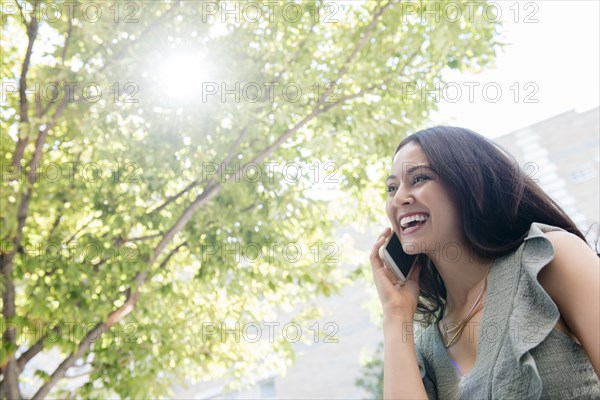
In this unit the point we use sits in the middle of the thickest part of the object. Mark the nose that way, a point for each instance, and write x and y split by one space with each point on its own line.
402 197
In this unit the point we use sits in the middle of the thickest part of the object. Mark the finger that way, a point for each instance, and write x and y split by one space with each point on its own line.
386 276
379 266
391 276
384 281
374 256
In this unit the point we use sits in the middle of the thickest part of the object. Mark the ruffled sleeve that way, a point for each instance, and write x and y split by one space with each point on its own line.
533 317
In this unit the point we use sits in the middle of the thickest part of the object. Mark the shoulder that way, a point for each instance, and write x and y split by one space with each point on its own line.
572 280
573 265
573 262
573 269
557 252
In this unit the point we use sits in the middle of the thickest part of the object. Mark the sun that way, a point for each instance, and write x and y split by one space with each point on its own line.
182 75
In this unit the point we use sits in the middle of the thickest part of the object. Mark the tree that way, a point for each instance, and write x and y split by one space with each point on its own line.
371 379
134 223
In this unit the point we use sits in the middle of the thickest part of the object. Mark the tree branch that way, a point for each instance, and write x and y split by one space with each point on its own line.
320 106
164 263
78 375
7 262
188 213
60 372
22 14
69 30
32 30
142 238
363 41
54 226
386 81
80 229
234 146
196 182
132 295
173 198
11 372
33 350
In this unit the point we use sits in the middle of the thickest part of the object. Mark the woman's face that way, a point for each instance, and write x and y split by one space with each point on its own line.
419 207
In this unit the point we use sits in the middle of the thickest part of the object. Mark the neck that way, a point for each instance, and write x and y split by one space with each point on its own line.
463 277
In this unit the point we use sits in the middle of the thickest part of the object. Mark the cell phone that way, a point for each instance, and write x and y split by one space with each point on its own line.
396 259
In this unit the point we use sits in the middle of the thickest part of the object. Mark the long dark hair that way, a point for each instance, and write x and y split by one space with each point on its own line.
498 201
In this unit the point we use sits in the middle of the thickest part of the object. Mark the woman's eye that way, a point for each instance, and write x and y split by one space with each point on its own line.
420 178
391 189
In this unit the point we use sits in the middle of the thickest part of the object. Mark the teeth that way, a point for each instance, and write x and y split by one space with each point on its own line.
416 217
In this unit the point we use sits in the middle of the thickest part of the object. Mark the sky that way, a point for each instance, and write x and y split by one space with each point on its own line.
552 57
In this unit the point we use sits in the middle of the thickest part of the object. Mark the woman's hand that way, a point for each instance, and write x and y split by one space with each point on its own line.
396 299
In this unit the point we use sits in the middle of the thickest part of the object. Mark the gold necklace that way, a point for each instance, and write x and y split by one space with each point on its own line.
461 326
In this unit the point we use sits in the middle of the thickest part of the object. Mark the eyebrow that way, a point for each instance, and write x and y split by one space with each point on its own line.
411 170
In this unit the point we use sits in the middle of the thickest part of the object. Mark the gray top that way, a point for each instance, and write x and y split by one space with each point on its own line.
520 353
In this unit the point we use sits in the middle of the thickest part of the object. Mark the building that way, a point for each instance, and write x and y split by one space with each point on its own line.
562 155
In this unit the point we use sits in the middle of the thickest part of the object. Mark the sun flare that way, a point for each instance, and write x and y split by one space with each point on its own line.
181 75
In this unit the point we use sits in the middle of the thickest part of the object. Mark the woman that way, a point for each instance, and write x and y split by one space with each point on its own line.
508 290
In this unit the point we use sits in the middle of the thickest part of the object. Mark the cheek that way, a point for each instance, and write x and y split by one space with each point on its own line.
448 212
389 209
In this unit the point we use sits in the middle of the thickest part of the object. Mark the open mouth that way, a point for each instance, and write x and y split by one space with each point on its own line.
413 221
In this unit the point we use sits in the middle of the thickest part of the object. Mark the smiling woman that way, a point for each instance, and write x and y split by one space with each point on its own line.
506 311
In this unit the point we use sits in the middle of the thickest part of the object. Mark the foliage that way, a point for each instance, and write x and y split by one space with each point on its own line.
115 220
372 374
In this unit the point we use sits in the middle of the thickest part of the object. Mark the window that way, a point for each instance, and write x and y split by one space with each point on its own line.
267 389
582 174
